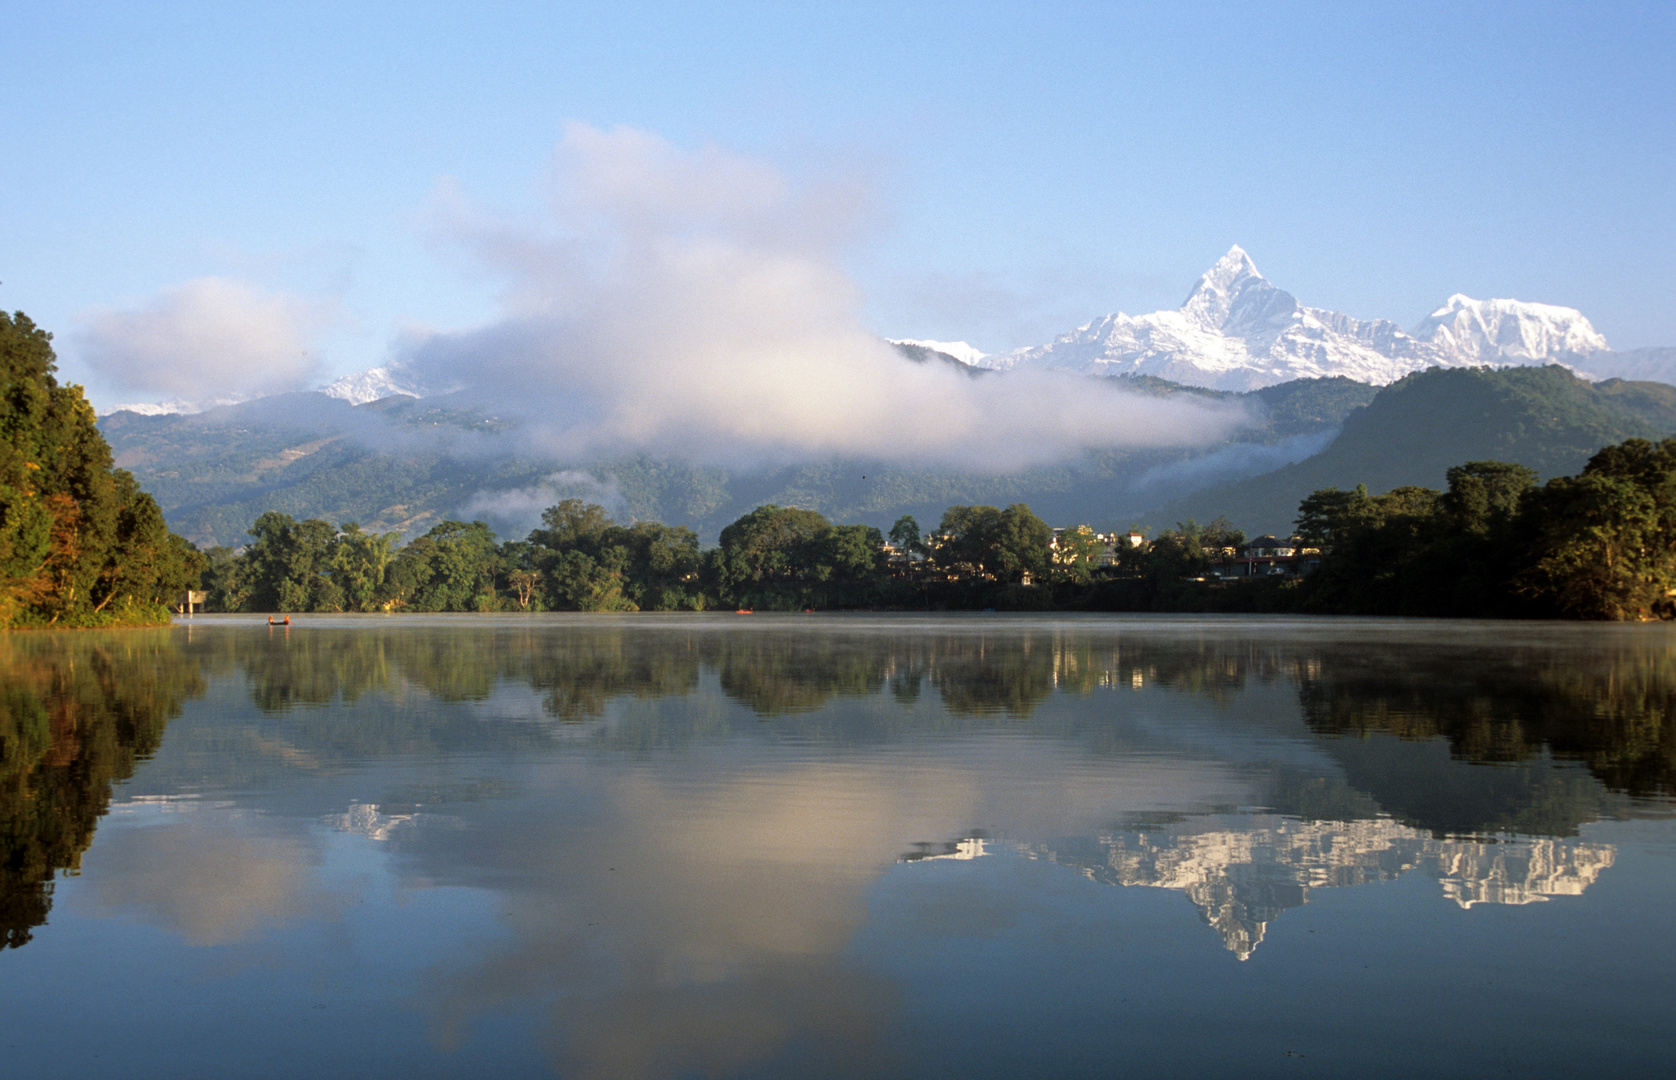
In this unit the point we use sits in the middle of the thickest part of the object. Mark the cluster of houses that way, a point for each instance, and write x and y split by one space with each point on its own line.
1266 555
1263 556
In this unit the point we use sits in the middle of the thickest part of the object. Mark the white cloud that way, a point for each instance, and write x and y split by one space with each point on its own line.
208 337
516 511
692 303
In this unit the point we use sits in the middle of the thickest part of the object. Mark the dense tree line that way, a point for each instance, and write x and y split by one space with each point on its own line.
1598 545
80 543
774 558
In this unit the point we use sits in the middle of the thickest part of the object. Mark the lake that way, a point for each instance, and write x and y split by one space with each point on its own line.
838 846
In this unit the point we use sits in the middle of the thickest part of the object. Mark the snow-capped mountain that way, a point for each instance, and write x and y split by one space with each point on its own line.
1509 331
177 406
960 350
1237 331
374 384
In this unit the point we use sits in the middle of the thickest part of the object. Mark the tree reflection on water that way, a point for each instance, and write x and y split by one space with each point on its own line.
1400 718
78 712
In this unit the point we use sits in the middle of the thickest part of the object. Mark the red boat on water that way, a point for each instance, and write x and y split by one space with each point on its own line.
279 622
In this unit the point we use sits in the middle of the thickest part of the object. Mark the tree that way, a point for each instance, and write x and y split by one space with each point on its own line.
966 540
767 547
663 564
453 568
1021 545
847 560
1004 544
1328 515
579 582
227 580
1604 541
290 564
1484 495
517 562
1076 552
80 543
906 538
360 562
572 524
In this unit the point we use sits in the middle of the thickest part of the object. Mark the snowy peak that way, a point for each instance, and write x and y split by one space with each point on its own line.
373 384
1508 331
1237 331
960 350
1226 273
1230 284
177 406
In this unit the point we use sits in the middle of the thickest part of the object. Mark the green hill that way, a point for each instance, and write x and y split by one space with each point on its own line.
1416 428
404 465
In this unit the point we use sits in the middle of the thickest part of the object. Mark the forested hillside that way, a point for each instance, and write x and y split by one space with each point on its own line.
1414 430
405 465
80 543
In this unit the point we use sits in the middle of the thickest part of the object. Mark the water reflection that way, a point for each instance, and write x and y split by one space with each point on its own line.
688 829
77 713
1243 873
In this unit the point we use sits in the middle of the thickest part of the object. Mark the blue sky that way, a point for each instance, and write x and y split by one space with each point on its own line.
1024 168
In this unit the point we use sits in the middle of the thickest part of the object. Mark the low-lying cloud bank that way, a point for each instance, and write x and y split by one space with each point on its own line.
691 304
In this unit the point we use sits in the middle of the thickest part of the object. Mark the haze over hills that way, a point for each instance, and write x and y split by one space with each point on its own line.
405 464
1264 382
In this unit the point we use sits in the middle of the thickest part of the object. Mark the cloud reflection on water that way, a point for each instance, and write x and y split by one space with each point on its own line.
212 877
683 832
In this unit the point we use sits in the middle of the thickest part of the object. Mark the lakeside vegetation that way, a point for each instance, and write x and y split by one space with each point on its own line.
80 543
1598 545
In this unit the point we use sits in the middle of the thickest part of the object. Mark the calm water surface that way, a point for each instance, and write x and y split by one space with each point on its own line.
838 846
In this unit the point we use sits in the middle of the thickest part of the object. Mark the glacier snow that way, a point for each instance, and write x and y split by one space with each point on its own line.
1237 331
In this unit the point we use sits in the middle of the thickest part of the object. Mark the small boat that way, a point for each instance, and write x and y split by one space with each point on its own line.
744 611
279 622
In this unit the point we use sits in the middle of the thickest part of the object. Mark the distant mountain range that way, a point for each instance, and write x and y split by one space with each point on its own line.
1475 380
1237 331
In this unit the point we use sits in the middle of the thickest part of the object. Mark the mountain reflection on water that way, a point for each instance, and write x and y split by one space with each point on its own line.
686 823
1241 874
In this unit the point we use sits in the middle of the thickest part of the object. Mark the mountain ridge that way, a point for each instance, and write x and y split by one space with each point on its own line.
1412 431
1236 330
